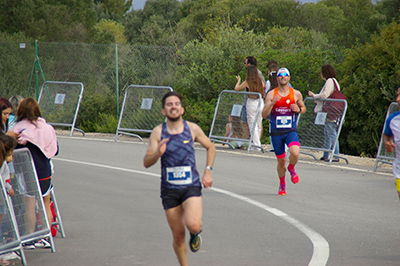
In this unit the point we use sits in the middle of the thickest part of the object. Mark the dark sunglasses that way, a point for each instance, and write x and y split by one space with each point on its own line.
284 74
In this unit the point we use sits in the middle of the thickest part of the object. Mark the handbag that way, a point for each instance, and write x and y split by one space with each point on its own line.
334 109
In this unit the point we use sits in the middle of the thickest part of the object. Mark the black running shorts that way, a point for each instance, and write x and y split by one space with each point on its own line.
174 197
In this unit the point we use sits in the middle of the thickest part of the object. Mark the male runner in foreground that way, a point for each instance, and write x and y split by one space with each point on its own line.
173 141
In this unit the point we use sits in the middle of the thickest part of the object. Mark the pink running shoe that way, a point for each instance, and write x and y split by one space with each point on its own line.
282 189
295 177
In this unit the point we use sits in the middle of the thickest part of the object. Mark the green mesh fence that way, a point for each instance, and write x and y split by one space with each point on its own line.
141 109
16 64
59 103
311 124
103 68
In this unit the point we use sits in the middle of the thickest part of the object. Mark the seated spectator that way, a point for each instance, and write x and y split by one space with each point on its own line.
234 129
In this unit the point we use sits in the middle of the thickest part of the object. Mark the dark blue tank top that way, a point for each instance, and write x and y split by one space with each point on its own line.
178 163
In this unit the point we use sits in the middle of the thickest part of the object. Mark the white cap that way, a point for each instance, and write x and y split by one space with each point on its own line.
283 70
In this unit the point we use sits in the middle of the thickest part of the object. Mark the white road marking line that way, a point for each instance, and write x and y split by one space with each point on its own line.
320 245
106 166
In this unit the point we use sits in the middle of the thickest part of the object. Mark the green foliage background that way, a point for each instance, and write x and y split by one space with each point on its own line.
198 47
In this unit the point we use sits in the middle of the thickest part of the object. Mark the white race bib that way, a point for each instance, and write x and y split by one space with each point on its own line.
180 175
284 121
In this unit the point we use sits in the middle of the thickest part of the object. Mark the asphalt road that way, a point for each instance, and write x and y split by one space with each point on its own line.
112 213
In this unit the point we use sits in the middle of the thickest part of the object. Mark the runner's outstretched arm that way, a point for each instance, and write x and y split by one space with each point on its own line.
388 142
156 148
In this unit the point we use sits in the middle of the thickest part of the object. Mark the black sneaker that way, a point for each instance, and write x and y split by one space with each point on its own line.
195 242
334 160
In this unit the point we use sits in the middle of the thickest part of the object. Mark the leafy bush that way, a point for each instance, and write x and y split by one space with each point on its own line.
106 123
95 110
210 66
304 66
370 77
200 113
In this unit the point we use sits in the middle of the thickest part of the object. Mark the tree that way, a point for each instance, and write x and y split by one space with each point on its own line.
16 63
109 31
361 21
370 76
67 20
321 18
390 9
210 66
114 9
296 38
154 25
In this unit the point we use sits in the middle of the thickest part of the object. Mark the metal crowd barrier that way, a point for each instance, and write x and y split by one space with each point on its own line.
141 110
57 224
28 204
383 156
59 103
311 125
10 240
231 105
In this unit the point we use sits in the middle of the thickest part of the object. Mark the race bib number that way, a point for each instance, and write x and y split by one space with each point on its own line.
181 175
284 121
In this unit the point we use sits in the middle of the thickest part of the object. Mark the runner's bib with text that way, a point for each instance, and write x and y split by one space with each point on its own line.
284 121
179 175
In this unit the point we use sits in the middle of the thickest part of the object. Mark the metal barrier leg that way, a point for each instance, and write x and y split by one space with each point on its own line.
21 254
308 153
376 164
53 247
58 215
120 133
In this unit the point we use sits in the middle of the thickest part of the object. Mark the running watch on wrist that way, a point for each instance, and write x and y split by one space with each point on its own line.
209 168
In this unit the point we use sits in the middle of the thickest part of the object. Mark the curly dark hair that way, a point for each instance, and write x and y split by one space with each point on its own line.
328 71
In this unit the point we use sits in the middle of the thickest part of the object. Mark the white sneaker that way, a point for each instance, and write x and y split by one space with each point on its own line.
43 243
9 256
29 245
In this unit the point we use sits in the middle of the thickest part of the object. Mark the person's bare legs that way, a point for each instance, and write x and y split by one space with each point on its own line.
175 221
246 130
188 214
193 213
46 200
30 213
293 159
294 154
281 168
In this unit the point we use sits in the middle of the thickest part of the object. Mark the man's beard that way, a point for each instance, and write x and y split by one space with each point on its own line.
173 119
